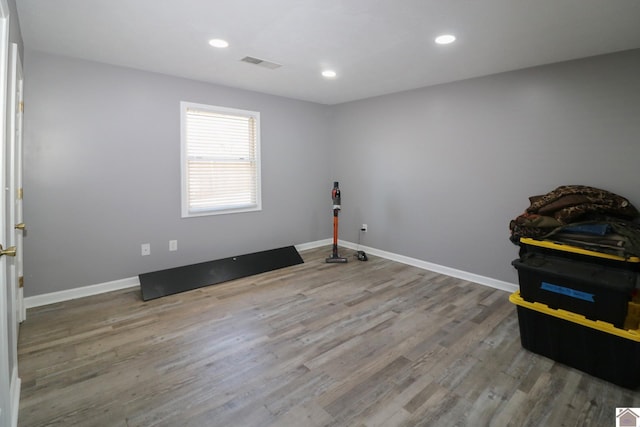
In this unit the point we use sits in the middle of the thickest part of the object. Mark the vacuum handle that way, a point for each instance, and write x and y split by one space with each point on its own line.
335 195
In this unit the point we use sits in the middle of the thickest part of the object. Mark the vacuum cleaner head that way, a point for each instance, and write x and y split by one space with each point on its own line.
336 259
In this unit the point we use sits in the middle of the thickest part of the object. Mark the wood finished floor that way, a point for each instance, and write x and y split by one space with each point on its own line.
373 343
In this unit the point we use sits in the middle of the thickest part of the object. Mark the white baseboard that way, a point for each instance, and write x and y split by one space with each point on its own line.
84 291
459 274
100 288
313 245
44 299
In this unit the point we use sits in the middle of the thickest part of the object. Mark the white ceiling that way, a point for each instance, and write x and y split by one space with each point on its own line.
375 46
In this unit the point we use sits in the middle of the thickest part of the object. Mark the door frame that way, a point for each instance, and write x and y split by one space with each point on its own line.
14 132
9 381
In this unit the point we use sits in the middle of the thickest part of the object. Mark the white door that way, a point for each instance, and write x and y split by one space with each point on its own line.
15 308
9 382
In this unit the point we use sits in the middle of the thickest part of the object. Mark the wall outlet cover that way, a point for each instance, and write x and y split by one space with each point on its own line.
145 249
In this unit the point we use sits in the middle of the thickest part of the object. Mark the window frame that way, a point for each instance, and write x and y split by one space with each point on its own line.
221 210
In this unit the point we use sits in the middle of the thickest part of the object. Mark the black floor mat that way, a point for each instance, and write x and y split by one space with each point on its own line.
180 279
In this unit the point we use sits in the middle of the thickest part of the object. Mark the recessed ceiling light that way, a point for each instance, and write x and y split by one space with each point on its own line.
445 39
219 43
330 74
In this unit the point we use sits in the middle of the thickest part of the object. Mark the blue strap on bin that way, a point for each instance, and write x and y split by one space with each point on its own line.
567 291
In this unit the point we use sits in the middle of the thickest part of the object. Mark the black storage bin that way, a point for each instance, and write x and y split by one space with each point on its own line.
596 291
594 347
548 247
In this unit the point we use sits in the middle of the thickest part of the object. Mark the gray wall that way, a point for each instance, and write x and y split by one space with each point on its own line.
102 174
437 173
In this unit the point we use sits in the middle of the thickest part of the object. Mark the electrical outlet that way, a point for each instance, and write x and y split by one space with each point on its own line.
145 249
173 245
364 228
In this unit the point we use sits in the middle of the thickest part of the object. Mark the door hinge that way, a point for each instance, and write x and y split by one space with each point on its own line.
21 106
20 193
21 281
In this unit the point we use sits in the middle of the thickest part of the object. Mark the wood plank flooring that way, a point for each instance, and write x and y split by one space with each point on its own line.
373 343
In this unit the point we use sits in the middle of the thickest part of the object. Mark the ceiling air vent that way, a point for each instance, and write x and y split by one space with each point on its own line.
261 62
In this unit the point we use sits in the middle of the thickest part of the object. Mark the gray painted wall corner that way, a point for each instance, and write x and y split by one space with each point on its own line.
436 173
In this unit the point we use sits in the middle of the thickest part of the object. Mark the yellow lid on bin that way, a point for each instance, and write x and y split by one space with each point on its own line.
574 249
607 327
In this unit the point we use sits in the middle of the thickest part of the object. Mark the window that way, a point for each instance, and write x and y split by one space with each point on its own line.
220 160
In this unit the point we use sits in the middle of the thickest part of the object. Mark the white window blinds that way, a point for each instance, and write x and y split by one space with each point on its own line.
220 150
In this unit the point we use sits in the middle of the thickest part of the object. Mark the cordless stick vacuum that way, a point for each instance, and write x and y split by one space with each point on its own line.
335 196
